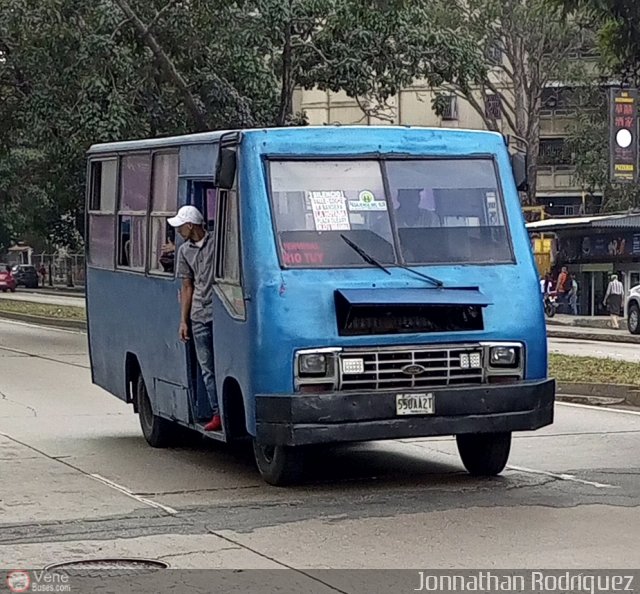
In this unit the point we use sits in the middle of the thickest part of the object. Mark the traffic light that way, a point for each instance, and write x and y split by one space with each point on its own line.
623 126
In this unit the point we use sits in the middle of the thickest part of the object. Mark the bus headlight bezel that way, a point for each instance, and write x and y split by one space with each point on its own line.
316 366
504 357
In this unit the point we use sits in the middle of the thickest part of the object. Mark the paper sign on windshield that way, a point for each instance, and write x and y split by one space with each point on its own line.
329 210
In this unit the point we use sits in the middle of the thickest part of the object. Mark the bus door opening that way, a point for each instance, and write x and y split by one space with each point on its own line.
202 195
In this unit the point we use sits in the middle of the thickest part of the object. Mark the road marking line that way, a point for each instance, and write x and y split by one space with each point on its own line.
128 492
562 477
605 408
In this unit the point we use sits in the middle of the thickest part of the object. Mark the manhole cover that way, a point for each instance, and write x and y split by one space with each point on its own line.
106 567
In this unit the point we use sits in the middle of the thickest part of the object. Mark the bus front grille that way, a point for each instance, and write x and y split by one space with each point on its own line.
389 369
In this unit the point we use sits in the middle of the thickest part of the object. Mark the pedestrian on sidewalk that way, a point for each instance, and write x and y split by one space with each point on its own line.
613 300
43 274
573 295
562 289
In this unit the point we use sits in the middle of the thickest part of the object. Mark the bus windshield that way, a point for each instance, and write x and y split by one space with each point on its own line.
411 211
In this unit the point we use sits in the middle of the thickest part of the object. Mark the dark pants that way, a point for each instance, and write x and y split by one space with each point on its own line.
203 341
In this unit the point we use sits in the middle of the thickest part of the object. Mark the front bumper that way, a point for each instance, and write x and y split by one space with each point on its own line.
303 419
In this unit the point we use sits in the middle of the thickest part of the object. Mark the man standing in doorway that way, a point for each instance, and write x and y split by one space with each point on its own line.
196 269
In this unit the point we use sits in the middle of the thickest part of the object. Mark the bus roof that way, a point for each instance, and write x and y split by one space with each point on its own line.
212 137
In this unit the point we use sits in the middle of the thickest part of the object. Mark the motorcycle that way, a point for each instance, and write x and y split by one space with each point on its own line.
551 304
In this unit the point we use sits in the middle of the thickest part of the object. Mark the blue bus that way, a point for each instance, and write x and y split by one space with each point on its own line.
371 283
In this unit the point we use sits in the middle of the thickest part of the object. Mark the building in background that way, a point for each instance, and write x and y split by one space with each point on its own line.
593 248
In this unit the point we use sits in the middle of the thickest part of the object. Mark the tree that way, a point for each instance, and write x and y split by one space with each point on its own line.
588 141
527 46
619 24
78 72
372 54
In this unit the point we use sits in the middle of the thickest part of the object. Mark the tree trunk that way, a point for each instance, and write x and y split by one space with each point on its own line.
195 111
533 140
286 92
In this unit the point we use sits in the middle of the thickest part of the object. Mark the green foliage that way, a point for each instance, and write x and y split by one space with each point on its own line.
77 72
589 142
619 25
524 46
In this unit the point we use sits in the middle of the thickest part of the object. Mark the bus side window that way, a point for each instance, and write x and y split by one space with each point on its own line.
135 177
228 252
101 206
164 203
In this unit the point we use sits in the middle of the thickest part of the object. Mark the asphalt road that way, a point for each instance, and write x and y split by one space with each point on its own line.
78 481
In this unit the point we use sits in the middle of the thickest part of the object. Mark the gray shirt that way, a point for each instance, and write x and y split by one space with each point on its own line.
197 263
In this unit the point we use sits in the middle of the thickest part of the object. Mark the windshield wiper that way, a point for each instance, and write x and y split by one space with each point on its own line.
366 257
371 260
437 282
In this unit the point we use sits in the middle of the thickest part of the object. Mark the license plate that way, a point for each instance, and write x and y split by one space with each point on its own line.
414 404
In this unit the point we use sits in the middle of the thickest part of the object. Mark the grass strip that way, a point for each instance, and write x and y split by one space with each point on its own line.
593 370
43 310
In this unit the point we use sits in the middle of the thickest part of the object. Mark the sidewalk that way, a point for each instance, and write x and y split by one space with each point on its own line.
78 290
52 298
586 328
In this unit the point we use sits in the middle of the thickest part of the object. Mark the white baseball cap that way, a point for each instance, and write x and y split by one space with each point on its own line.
187 214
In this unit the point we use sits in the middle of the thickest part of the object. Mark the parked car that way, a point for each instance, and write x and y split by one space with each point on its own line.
26 276
633 310
7 280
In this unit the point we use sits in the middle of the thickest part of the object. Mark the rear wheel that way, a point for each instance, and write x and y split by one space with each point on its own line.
484 454
158 432
633 323
279 465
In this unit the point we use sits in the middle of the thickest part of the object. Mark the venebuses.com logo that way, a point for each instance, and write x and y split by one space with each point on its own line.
18 580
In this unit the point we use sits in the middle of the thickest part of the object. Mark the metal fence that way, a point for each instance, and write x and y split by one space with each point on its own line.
67 270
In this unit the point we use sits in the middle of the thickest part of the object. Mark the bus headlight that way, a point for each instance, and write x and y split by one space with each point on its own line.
312 364
504 356
316 370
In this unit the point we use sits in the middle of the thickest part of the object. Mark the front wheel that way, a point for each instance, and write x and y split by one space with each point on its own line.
550 310
633 323
484 454
158 432
279 465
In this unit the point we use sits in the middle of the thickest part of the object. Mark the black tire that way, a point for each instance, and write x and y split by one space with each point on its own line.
484 454
279 465
633 322
550 310
158 432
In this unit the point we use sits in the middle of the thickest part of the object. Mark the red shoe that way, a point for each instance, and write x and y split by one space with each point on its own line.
214 424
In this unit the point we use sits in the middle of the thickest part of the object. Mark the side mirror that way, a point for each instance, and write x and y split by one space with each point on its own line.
226 169
520 166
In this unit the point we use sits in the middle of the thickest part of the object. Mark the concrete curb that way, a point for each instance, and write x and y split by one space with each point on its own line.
586 335
594 393
80 325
